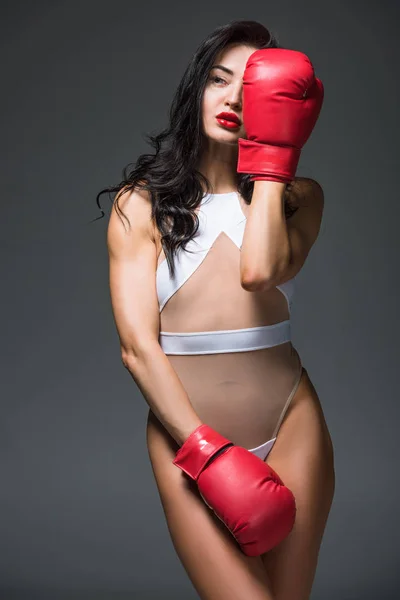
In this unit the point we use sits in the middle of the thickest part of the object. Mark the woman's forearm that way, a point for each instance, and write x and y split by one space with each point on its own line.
265 249
164 392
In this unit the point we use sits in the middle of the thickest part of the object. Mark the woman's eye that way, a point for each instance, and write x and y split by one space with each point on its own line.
217 79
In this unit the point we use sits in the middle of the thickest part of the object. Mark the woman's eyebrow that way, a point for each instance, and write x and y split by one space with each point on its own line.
222 69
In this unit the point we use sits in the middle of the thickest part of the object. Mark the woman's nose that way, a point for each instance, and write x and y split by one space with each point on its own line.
235 99
236 95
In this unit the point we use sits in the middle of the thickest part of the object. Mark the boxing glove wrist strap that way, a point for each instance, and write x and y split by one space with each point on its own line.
266 159
197 450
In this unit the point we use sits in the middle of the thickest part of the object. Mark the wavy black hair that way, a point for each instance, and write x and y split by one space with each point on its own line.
169 174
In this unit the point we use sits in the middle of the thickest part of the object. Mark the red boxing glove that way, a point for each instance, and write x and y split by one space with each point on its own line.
282 100
242 490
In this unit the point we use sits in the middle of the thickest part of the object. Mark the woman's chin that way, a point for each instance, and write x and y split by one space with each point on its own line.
223 137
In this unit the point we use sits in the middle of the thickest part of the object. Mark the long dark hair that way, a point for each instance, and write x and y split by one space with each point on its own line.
170 175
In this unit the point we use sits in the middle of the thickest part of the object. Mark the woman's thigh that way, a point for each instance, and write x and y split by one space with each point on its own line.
210 555
303 457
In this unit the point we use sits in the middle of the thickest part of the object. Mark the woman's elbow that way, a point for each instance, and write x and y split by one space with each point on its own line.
255 284
133 353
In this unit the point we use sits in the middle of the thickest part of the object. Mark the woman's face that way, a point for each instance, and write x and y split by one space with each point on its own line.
223 93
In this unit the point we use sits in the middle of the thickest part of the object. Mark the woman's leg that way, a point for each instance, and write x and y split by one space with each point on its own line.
303 457
210 555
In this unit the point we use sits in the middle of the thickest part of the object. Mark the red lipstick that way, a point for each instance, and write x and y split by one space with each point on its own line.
229 120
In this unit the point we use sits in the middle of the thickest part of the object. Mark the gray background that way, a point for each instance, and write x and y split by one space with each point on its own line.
82 82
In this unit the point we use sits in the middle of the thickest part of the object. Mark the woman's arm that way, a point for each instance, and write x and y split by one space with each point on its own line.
273 249
132 264
265 248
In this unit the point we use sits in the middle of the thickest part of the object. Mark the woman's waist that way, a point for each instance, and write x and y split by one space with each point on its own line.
246 374
225 340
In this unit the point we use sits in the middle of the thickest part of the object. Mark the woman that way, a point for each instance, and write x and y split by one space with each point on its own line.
206 240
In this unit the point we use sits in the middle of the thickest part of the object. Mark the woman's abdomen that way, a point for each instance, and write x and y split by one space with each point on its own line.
243 395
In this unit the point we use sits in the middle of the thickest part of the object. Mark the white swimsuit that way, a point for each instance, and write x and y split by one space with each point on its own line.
230 347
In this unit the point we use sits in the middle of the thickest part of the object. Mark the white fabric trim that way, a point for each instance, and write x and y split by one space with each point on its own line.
229 340
263 450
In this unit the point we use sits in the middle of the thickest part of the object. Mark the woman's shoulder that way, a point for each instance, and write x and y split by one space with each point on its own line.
308 199
306 188
134 198
304 192
134 204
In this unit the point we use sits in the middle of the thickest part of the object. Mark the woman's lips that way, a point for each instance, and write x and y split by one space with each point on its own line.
228 124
